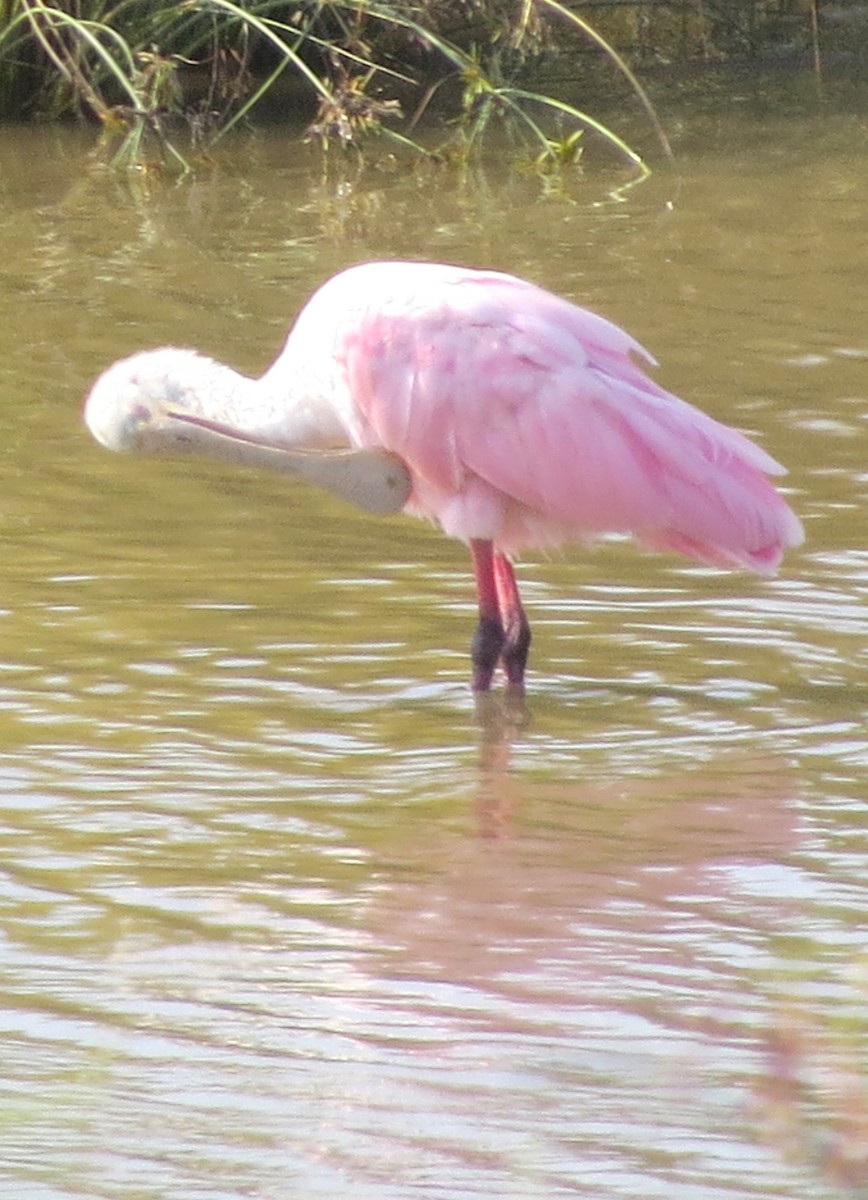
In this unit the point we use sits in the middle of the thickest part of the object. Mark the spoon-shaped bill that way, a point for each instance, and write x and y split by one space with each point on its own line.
372 479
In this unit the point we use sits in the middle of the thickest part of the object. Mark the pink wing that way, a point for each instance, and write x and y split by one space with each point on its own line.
525 419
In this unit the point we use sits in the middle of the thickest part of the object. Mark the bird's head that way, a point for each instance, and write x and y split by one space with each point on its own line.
177 402
136 403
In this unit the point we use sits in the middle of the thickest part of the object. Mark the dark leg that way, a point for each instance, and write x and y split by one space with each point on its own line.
513 621
488 641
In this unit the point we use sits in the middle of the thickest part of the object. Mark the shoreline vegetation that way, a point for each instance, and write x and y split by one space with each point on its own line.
166 81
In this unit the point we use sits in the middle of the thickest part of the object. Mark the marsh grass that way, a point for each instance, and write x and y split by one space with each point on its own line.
167 80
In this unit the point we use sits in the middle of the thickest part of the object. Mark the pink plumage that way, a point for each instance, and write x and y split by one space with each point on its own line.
522 420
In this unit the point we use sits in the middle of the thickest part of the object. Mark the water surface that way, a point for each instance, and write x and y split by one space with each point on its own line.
284 912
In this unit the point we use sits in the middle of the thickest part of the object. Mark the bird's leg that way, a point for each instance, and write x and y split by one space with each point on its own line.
489 638
513 620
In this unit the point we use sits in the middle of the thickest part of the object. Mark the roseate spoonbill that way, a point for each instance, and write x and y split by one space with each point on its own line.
500 411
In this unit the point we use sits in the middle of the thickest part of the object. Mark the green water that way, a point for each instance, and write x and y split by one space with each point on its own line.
283 912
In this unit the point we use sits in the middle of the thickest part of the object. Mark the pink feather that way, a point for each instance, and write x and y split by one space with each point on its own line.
526 420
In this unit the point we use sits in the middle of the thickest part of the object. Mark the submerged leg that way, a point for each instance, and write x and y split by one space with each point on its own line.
489 638
513 621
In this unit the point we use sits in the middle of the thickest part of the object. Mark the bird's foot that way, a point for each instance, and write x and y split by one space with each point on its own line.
493 646
485 652
515 651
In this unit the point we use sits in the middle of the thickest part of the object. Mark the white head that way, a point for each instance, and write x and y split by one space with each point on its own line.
134 405
179 402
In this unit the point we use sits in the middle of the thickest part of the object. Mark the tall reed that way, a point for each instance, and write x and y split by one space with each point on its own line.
159 76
